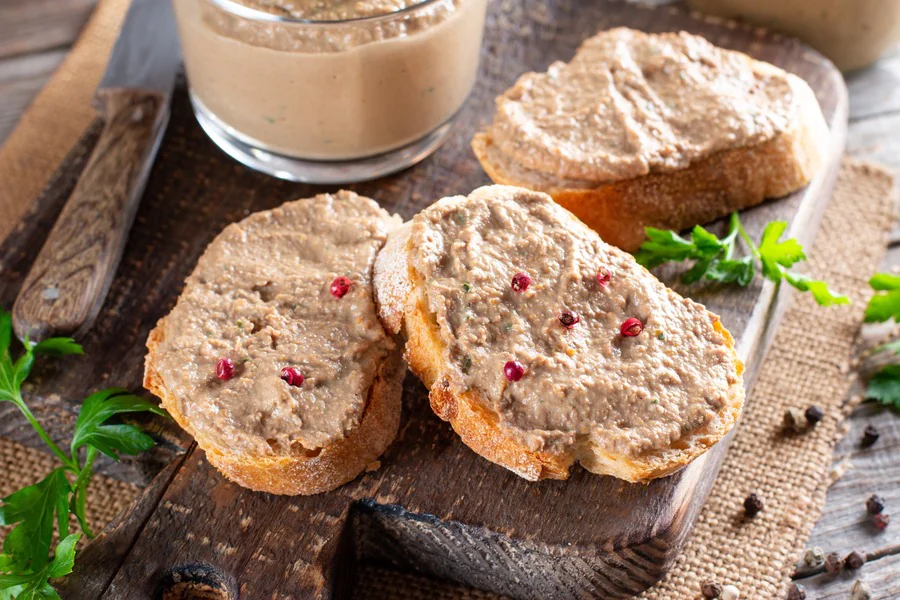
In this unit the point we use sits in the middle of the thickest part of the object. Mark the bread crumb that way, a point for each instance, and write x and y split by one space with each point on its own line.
373 466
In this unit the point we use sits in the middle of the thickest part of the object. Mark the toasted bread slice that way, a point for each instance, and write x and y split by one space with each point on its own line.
262 298
417 292
733 133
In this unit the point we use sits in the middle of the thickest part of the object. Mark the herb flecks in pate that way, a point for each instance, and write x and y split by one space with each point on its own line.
301 360
550 385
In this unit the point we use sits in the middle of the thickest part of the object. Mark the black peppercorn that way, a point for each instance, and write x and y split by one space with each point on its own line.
796 592
752 505
813 415
855 560
870 436
882 520
711 590
833 563
875 504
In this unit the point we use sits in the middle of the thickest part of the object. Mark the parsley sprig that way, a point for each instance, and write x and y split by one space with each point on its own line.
884 386
714 258
26 564
885 304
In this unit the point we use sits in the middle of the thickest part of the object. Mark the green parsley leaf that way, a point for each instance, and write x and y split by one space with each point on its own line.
884 306
64 557
5 333
775 254
664 246
78 500
714 261
884 387
32 510
739 271
885 282
22 369
59 346
25 563
822 294
109 439
707 243
704 248
36 585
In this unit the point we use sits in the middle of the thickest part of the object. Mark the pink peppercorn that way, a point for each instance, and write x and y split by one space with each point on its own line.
292 376
631 327
225 369
569 319
513 370
604 276
340 286
520 282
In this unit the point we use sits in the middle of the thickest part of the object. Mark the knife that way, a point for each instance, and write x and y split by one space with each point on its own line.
70 278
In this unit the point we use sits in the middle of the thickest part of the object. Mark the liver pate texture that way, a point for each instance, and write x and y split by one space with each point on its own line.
260 295
629 395
630 103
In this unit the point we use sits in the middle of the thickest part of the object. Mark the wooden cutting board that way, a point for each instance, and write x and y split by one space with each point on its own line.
433 504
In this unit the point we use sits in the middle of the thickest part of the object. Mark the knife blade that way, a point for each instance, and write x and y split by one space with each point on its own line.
69 280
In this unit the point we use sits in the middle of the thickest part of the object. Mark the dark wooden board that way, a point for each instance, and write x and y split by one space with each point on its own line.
433 504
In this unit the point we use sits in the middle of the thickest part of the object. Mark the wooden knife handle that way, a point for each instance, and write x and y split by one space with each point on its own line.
68 282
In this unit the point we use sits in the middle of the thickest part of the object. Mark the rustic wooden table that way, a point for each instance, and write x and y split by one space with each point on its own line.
35 36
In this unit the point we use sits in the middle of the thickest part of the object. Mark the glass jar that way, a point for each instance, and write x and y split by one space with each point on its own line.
852 33
329 101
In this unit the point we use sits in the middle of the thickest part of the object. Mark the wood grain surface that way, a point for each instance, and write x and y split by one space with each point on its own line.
433 505
68 281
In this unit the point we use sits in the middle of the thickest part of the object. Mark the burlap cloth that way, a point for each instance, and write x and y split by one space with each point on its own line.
806 365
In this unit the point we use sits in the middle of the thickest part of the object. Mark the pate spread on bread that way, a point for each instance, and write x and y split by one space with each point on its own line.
273 357
543 345
665 130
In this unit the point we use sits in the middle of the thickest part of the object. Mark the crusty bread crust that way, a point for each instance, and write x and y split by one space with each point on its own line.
479 426
708 189
303 472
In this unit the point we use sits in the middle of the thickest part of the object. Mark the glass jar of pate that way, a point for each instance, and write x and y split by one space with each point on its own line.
329 91
852 33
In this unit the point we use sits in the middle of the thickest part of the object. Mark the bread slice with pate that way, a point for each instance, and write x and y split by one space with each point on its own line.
274 359
665 130
542 345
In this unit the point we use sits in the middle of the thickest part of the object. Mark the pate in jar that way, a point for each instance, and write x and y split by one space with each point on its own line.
329 91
